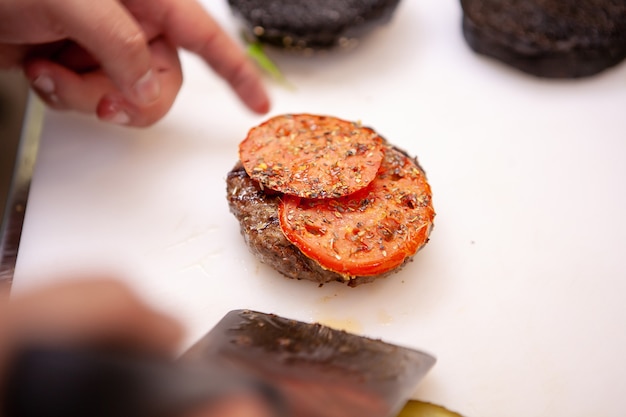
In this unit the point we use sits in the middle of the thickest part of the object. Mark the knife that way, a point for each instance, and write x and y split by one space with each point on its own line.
319 371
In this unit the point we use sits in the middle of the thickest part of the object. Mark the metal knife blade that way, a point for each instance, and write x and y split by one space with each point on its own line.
320 371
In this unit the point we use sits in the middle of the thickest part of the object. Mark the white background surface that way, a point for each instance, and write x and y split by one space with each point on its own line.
520 293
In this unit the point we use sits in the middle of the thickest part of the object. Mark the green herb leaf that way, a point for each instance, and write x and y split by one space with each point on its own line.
257 53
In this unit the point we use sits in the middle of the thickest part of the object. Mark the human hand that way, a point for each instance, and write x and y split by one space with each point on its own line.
118 58
100 313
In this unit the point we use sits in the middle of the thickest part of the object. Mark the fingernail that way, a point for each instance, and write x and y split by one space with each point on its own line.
147 88
44 84
114 109
119 118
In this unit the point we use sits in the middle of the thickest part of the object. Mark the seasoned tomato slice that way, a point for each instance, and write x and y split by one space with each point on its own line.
369 232
312 156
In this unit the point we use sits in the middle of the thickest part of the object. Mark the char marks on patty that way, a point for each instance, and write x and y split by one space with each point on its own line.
257 212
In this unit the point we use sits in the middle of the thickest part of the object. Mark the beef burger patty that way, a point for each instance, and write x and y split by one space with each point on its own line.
355 238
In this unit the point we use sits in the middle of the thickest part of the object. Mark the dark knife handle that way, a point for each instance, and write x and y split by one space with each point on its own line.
44 382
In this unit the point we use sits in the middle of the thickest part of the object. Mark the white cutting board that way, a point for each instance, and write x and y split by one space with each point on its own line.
521 291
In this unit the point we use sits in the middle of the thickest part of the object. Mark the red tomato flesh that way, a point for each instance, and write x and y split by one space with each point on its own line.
369 232
312 156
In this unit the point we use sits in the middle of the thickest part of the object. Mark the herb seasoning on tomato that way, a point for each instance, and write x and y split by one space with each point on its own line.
312 156
369 232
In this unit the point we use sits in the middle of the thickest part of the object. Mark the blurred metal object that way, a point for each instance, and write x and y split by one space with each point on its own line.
319 371
21 119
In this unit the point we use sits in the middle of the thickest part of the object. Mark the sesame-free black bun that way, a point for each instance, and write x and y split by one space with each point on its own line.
312 24
548 38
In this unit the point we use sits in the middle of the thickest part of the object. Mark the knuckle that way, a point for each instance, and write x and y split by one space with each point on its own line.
206 46
236 73
132 43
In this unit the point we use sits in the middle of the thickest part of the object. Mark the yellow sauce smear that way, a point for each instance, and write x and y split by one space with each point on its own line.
423 409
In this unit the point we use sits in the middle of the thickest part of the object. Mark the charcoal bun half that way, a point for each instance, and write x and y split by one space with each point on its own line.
548 38
311 24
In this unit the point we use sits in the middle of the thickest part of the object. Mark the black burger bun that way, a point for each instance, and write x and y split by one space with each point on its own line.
548 38
311 24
